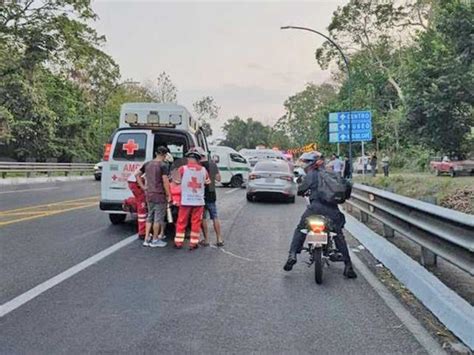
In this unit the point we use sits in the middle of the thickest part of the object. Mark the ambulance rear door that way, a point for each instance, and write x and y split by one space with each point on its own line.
130 149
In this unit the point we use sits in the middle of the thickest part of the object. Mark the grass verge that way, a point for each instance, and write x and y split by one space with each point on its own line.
455 193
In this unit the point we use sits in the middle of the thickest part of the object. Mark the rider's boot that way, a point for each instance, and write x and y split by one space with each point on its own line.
349 271
290 262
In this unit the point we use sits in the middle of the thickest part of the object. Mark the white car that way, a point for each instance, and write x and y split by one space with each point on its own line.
271 178
98 170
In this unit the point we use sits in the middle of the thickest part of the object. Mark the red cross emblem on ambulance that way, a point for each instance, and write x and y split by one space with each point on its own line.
194 184
130 147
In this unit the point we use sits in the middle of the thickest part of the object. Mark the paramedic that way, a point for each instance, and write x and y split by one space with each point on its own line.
192 177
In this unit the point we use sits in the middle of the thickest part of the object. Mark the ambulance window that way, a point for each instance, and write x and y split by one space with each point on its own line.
176 150
130 146
237 158
201 140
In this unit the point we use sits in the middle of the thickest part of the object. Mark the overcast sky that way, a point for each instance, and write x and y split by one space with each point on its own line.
233 51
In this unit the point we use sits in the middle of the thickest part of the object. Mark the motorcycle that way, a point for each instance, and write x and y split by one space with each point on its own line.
320 244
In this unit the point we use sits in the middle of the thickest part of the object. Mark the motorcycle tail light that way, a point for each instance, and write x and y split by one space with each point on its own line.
317 226
107 149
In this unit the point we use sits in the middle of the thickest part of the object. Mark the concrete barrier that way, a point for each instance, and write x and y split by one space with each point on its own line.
450 308
39 180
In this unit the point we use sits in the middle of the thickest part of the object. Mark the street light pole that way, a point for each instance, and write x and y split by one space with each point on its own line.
349 83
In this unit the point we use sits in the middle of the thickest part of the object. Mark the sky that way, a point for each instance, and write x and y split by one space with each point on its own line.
231 50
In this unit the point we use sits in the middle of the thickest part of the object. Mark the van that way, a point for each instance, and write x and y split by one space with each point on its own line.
143 128
255 155
233 167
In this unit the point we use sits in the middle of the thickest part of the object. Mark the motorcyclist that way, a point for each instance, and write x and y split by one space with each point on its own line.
312 163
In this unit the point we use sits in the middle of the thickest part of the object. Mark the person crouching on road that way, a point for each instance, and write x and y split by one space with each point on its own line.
210 209
157 191
139 204
192 178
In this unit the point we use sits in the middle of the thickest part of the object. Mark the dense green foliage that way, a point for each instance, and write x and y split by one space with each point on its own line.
54 79
60 94
242 134
411 65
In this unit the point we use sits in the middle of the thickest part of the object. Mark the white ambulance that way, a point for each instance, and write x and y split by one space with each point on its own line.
143 128
233 167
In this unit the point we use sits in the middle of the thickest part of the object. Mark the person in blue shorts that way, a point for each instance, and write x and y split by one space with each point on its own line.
210 209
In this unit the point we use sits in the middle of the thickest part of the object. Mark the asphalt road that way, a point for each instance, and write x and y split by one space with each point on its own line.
141 300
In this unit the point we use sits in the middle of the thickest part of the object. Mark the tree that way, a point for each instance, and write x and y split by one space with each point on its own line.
367 25
440 81
305 114
245 134
53 77
206 110
165 91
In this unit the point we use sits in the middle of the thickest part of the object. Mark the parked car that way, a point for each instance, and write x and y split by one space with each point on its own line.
452 167
98 171
271 178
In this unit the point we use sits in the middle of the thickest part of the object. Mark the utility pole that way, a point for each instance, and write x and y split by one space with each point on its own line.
349 82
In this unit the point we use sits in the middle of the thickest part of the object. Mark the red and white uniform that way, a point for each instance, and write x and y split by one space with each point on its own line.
193 178
140 204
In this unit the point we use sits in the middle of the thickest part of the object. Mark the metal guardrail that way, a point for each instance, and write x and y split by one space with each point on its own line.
48 168
439 231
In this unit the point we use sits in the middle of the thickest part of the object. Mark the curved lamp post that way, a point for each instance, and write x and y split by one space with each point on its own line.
349 83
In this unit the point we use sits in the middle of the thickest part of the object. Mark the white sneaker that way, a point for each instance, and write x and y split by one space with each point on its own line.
158 244
146 243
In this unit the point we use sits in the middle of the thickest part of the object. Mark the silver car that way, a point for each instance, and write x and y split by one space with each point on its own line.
271 178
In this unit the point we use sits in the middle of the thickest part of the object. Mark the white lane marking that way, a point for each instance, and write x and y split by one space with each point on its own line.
19 301
231 254
412 324
28 190
233 190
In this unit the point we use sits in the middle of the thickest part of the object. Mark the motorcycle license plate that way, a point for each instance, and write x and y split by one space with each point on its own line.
317 238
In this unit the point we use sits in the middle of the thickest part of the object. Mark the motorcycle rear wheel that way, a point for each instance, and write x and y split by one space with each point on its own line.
318 265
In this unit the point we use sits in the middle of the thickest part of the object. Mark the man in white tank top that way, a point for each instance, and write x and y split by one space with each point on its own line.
193 176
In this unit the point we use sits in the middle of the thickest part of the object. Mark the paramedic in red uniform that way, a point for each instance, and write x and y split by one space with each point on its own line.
140 204
192 176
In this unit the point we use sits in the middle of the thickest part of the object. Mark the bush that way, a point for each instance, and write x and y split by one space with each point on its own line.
412 159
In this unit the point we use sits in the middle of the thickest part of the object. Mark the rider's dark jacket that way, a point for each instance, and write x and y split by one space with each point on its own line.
310 185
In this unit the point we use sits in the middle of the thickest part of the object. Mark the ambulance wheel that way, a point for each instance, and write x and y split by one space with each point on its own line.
236 181
117 218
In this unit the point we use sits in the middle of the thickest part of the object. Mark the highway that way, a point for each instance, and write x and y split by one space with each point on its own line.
131 299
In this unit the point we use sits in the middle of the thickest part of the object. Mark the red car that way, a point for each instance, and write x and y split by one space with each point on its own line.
452 167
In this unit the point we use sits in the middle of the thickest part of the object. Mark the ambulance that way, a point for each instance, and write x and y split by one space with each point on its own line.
233 167
143 128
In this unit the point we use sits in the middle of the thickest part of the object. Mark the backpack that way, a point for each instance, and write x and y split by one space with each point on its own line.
333 188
